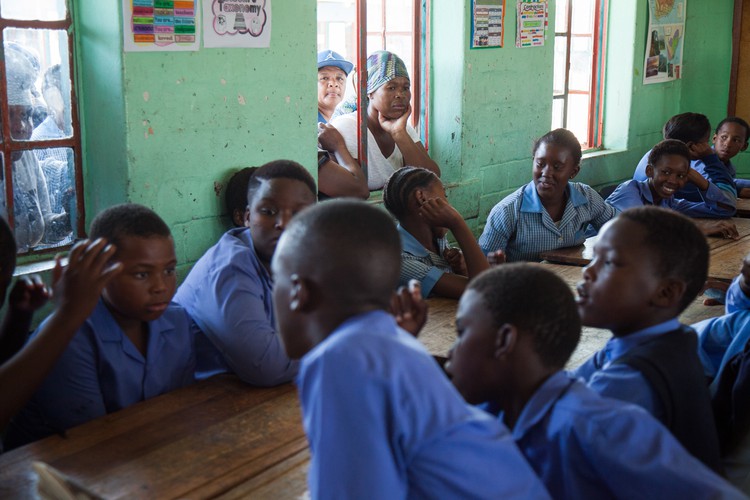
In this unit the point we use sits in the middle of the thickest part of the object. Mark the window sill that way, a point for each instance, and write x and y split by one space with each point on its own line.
39 267
595 153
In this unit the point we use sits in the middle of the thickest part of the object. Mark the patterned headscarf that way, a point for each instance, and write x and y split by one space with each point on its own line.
382 67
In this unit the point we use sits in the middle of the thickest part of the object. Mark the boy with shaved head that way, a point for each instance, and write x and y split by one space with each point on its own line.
381 418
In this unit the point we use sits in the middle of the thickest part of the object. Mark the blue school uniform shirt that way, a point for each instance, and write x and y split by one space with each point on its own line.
619 380
421 264
585 446
102 371
634 193
383 421
720 339
228 293
520 226
710 167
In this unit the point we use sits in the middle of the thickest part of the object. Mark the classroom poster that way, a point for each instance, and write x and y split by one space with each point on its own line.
531 26
666 36
237 23
487 23
160 25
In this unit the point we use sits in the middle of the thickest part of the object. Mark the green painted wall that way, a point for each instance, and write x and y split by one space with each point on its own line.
164 129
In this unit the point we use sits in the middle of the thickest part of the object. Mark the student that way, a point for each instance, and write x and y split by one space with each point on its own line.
228 291
730 138
694 130
381 418
76 290
518 325
392 142
724 351
236 195
134 346
339 173
416 197
667 172
332 72
648 265
549 212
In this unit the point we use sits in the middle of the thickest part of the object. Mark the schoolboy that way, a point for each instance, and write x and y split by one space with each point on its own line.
694 130
518 325
135 345
648 265
730 138
236 195
667 172
381 418
228 291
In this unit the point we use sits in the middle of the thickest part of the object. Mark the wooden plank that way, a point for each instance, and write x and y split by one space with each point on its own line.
743 207
726 261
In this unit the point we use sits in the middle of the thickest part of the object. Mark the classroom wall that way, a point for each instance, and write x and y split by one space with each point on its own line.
166 129
488 105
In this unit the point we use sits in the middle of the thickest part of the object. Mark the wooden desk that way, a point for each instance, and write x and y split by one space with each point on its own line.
743 207
219 437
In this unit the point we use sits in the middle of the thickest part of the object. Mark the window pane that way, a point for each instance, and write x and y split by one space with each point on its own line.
561 16
583 16
38 74
42 10
336 27
578 116
558 84
580 64
58 167
374 15
557 113
399 15
402 46
374 42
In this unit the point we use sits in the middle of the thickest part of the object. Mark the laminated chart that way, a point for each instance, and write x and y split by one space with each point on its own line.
487 23
532 24
664 43
152 25
237 23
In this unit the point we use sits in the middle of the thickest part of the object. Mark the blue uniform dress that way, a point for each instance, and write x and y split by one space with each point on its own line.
383 421
634 193
420 264
585 446
521 226
101 371
228 293
710 167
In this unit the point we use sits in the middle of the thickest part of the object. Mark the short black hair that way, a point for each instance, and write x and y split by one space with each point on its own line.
537 302
236 193
679 247
668 147
352 246
280 169
127 219
739 121
561 137
8 247
401 184
687 127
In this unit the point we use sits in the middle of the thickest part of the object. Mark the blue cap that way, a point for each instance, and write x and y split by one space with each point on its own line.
331 58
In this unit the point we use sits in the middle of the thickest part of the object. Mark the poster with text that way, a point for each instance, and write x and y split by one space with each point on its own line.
160 25
666 36
237 23
487 23
531 27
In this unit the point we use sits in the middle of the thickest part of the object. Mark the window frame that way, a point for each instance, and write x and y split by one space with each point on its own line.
598 62
9 145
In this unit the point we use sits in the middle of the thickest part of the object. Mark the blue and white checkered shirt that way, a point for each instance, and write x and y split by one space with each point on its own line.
520 226
420 264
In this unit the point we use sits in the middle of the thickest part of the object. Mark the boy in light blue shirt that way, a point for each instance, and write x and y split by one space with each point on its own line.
380 416
517 326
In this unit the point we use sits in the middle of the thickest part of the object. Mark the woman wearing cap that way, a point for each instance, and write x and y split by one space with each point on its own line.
391 141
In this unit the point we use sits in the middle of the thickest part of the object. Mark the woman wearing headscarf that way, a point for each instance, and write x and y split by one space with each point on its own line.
391 142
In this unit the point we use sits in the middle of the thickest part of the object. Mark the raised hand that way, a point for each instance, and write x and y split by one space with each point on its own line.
409 308
455 258
28 294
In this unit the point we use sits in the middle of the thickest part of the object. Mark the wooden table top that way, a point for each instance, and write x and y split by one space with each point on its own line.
743 207
725 260
217 438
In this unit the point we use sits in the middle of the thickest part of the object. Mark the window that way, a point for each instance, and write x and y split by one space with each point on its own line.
393 25
580 30
41 179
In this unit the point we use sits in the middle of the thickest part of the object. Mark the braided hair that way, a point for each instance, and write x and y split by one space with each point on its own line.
401 184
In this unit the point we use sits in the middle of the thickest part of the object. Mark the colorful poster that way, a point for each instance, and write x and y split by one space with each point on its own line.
237 23
666 35
487 23
160 25
531 26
